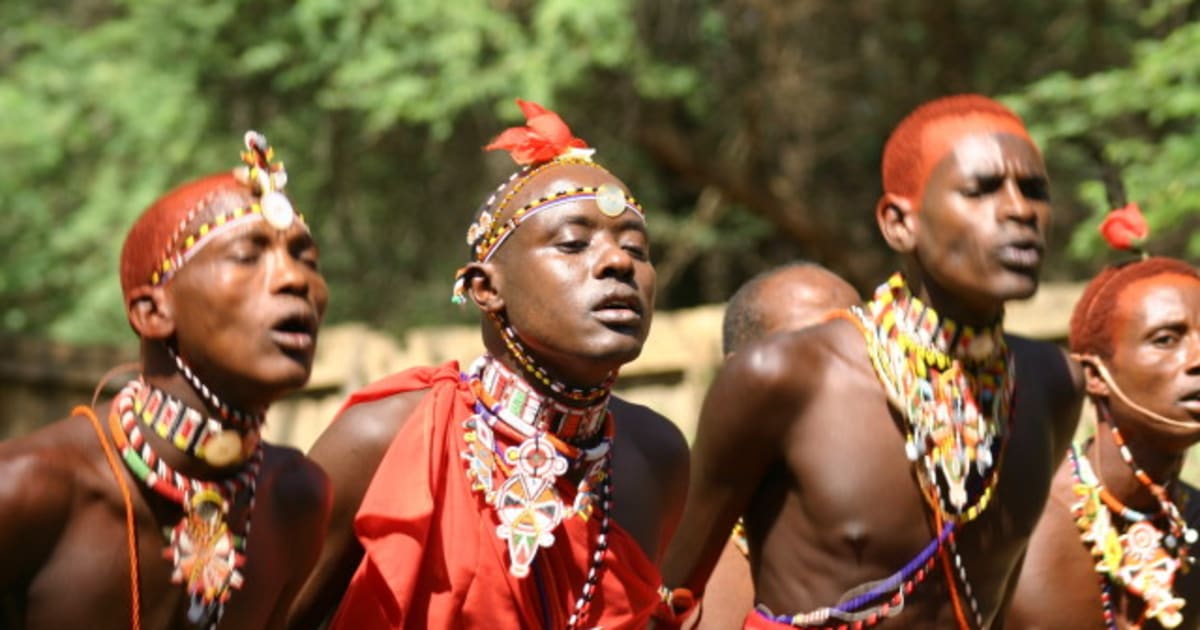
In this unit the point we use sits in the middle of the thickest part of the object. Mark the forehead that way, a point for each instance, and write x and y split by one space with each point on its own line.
580 212
1157 300
559 179
990 154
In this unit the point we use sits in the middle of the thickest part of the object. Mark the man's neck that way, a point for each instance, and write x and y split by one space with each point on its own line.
1119 477
949 305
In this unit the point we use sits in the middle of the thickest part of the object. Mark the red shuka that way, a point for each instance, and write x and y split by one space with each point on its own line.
432 558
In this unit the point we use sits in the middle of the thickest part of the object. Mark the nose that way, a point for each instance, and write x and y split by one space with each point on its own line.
289 274
1015 205
613 260
1193 353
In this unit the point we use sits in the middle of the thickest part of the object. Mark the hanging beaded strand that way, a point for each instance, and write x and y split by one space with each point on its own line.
854 609
242 420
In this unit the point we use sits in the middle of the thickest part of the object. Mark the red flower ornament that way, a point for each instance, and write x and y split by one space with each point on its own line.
1125 228
544 137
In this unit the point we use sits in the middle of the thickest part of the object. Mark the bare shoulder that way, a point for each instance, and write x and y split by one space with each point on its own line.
775 361
654 435
365 429
300 488
1045 370
1050 367
39 478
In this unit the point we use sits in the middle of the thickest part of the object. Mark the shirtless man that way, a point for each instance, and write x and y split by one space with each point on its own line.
142 517
516 493
789 297
1113 546
891 463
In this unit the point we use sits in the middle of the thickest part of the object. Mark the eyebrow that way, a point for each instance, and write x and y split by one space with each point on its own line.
585 218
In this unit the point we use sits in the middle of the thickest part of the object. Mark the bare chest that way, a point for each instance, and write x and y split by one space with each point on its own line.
850 511
88 579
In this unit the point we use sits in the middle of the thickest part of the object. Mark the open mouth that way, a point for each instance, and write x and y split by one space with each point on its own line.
1025 255
619 310
296 332
1191 404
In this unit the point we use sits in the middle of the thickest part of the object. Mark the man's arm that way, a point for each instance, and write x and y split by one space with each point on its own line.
742 429
303 497
349 451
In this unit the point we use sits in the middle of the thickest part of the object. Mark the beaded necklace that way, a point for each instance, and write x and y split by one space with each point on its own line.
586 395
1143 560
188 430
226 442
954 387
205 554
514 462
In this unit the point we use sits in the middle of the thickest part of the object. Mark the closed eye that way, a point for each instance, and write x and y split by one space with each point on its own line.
573 246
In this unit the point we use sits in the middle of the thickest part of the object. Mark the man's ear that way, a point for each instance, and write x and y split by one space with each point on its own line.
897 218
484 281
1093 382
150 312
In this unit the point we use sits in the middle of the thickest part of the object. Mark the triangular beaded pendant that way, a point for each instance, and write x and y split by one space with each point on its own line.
205 556
527 503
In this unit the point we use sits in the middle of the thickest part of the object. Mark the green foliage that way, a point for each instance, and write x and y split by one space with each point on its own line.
377 106
750 129
1134 124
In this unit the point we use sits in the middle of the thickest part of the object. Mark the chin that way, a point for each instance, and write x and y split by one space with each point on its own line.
618 351
1017 287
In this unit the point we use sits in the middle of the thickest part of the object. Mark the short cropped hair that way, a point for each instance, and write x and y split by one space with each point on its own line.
1092 320
924 137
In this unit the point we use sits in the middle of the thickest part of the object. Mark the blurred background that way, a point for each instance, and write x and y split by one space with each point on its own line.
750 129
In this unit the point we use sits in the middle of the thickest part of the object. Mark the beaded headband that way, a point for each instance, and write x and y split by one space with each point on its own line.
265 179
544 142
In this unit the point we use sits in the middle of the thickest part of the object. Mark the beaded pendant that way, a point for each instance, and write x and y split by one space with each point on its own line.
520 482
1138 559
206 556
953 385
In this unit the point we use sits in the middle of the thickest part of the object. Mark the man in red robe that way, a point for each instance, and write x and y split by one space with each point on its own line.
517 493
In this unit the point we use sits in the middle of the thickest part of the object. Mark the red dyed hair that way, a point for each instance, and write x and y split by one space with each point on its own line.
1092 320
155 233
926 135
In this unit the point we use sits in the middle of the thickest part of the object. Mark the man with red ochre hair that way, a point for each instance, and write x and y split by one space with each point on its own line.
891 462
164 508
1113 548
518 493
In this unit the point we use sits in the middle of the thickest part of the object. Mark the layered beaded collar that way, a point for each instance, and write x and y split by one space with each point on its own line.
220 443
205 553
953 385
515 463
1143 559
513 399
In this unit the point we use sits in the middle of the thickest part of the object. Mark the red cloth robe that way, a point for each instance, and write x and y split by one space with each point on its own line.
432 558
